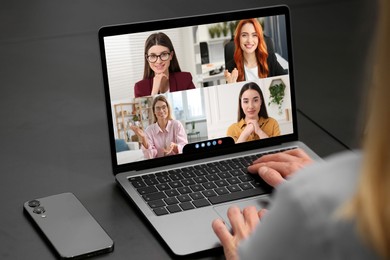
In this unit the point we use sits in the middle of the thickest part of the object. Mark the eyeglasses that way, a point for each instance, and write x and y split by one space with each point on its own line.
153 57
163 107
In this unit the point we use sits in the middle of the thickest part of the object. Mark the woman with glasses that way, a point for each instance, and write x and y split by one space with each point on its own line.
162 72
253 122
165 136
251 57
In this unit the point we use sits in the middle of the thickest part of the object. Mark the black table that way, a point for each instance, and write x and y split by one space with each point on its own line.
53 135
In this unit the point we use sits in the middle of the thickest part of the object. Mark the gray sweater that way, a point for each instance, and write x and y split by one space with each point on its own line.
301 223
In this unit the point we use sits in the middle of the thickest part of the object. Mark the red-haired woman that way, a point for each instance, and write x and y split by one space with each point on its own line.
251 60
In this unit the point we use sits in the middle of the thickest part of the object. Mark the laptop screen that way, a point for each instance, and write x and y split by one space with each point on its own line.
192 87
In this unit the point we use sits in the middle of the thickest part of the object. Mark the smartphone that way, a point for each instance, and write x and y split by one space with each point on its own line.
68 226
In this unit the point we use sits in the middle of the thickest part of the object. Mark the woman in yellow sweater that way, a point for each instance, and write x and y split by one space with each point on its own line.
253 122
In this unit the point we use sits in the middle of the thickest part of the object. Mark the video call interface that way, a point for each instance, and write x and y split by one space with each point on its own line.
157 114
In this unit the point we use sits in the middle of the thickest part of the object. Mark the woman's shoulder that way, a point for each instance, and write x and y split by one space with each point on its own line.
269 120
237 125
182 74
142 82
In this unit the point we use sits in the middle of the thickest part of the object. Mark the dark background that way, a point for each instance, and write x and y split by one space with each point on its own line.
53 132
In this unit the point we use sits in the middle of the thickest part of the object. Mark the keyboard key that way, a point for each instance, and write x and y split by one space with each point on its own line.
173 208
156 204
186 205
224 167
147 190
175 184
213 177
237 172
235 196
209 185
245 186
221 183
209 193
162 187
135 178
171 193
233 188
221 191
151 181
213 169
233 180
201 172
176 176
184 190
138 183
196 187
224 175
163 179
246 178
201 203
171 201
196 196
160 211
200 179
183 198
188 182
188 174
154 196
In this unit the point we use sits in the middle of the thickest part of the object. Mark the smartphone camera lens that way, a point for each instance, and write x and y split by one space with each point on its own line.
34 203
39 210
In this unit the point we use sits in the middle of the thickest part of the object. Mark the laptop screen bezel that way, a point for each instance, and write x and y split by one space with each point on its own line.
192 21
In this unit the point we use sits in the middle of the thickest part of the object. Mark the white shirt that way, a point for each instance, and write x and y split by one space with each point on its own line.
251 73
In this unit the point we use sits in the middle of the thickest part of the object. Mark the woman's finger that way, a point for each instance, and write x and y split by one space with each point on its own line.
251 217
222 232
236 221
270 176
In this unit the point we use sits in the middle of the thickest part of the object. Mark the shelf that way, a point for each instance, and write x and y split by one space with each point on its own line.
125 113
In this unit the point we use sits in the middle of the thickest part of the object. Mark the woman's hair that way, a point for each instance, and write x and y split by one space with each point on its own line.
261 51
163 40
263 109
370 205
163 99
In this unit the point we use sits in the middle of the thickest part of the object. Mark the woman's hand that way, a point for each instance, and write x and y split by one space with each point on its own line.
171 148
258 129
243 223
231 77
141 134
160 84
275 168
248 130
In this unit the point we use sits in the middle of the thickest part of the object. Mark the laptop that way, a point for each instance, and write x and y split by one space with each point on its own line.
181 191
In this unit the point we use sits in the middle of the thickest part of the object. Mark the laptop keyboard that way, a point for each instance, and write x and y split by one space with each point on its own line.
202 185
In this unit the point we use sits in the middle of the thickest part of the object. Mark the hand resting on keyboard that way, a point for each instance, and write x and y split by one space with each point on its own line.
275 168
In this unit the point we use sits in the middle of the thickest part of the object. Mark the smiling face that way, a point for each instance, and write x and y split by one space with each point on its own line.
249 39
160 66
250 104
161 110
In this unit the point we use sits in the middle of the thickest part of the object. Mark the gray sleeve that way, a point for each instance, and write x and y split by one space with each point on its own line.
301 223
284 232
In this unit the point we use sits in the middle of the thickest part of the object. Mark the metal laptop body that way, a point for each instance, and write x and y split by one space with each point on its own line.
189 230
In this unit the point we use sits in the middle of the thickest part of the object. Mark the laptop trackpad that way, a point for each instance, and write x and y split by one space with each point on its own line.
259 203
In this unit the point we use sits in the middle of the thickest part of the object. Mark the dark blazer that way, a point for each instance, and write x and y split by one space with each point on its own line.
177 81
275 69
